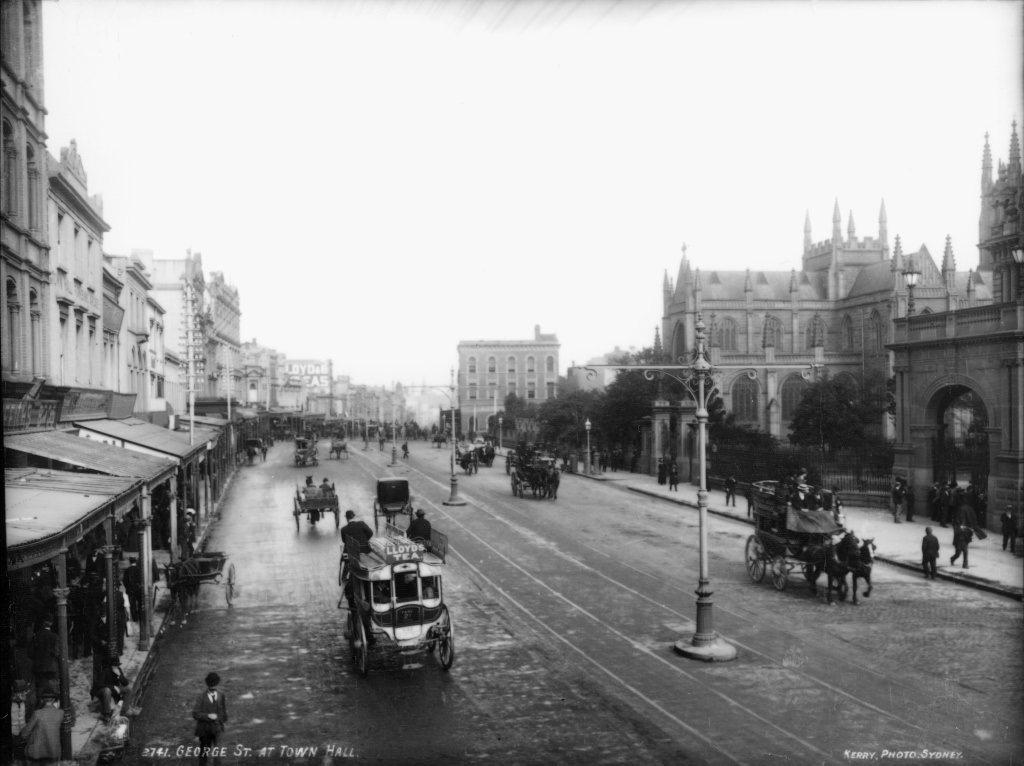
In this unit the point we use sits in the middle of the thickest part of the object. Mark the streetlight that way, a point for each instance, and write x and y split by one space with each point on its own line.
587 458
1018 258
454 499
910 276
500 421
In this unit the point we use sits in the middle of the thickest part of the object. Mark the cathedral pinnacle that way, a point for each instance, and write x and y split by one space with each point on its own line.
897 256
986 166
792 282
948 261
748 286
1014 159
851 230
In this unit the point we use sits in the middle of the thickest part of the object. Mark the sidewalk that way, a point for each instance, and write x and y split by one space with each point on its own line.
90 736
991 568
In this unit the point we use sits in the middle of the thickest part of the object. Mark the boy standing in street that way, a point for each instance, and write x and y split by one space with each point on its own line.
929 553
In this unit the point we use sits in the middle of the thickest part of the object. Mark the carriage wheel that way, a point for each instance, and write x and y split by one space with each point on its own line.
515 491
779 573
296 515
755 559
229 586
361 652
446 641
350 630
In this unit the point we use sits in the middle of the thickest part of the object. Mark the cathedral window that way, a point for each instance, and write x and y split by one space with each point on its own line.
875 334
791 394
772 333
847 333
745 397
727 337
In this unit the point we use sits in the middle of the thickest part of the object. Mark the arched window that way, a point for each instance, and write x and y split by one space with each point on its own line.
11 337
791 393
492 364
510 364
472 391
10 163
772 333
728 335
549 364
531 365
35 334
746 395
847 333
876 338
33 187
472 365
531 390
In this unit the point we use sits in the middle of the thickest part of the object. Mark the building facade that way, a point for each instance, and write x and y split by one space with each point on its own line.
24 234
770 330
960 371
490 370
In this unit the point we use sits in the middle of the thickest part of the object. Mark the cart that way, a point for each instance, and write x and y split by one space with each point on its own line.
316 502
393 499
185 578
395 599
339 447
305 452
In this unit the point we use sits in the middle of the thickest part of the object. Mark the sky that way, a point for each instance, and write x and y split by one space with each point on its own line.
382 180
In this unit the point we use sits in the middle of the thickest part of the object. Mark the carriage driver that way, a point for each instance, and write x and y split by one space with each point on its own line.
359 530
419 528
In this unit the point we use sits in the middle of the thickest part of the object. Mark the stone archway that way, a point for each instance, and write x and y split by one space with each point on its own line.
960 448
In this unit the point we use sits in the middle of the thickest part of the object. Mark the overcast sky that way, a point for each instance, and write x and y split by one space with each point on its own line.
381 180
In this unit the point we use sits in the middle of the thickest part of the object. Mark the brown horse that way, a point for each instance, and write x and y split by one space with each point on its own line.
860 560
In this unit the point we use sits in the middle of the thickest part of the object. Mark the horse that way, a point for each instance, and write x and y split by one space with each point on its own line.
860 561
825 558
553 480
184 583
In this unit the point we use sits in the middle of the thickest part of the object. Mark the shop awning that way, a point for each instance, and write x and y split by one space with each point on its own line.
70 448
133 433
50 510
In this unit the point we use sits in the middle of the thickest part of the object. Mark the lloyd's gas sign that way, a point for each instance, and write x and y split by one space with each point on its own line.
309 373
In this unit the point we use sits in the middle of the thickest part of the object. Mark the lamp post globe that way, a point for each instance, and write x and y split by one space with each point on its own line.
586 461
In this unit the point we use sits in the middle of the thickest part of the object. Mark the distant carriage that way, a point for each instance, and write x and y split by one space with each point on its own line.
393 499
339 447
537 474
305 452
314 502
185 577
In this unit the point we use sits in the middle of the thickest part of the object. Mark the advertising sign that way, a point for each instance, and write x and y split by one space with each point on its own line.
310 373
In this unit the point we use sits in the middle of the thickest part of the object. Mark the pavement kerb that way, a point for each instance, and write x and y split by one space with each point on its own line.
989 587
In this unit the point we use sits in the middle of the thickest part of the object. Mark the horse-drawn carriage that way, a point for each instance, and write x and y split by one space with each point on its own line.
396 609
185 577
536 473
339 447
315 502
799 527
254 447
393 499
305 452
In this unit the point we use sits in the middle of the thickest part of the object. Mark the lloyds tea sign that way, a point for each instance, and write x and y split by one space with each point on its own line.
309 373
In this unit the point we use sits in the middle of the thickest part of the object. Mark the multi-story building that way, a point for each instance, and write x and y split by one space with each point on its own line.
75 315
490 370
24 236
223 339
262 369
767 328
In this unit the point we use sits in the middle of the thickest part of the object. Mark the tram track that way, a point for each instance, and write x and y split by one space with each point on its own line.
890 726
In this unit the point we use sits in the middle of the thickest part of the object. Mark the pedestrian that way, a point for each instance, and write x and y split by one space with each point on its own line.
673 477
132 581
210 713
908 500
750 501
1009 525
929 553
661 470
962 536
42 733
45 656
933 501
898 493
112 687
945 503
419 528
730 490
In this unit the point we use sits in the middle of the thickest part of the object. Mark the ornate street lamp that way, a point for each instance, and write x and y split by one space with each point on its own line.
587 459
500 421
910 275
454 498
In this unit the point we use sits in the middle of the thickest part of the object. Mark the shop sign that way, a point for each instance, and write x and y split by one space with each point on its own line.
20 415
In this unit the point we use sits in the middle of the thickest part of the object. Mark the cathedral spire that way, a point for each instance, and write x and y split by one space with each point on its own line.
807 232
897 256
658 352
696 281
1014 161
748 286
949 266
986 167
883 228
851 230
684 271
837 224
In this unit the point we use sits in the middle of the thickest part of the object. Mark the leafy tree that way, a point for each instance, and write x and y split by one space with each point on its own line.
832 414
562 419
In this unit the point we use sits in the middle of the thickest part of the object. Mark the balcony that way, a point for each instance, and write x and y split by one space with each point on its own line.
966 323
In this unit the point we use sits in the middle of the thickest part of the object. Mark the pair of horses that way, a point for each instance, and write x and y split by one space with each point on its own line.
849 556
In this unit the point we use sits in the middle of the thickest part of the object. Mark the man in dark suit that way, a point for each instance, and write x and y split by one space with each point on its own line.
419 528
929 553
210 713
357 529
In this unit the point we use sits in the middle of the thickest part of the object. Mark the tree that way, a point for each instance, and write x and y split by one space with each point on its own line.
831 415
562 419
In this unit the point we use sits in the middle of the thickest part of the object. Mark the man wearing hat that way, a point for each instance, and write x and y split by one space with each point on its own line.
132 581
357 529
210 713
42 733
419 528
1009 526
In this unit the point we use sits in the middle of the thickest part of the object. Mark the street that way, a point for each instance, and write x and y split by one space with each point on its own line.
565 612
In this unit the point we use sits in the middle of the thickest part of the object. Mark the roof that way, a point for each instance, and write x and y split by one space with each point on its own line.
146 434
68 447
49 510
872 279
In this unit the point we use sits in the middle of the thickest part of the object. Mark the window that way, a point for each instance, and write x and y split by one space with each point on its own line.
10 161
472 365
772 333
492 390
431 587
549 364
11 336
531 365
492 364
531 390
745 397
728 333
407 587
847 333
510 364
875 333
792 392
33 187
551 390
472 390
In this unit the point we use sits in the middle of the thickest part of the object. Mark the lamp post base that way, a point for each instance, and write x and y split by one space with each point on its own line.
713 649
454 498
394 458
